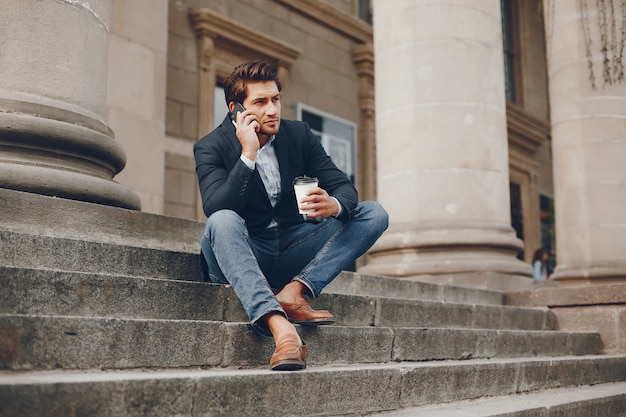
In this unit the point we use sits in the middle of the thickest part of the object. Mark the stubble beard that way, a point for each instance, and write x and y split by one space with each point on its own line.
270 131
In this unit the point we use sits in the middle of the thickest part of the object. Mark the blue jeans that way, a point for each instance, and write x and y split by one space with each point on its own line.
311 253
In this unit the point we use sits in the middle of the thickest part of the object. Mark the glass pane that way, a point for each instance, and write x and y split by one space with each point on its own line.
314 121
337 137
219 106
365 10
548 229
517 218
335 128
509 53
506 24
509 78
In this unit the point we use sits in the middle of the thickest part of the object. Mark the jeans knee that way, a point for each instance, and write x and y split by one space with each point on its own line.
377 215
223 220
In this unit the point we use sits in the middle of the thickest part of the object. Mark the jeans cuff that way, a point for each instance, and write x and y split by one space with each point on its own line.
307 284
259 325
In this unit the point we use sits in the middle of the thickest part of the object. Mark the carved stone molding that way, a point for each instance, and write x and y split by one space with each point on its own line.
526 132
334 18
207 23
363 58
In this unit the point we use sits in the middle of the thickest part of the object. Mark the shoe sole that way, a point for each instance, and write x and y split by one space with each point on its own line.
288 365
313 322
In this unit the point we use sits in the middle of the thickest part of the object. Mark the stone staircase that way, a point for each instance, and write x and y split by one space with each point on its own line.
108 317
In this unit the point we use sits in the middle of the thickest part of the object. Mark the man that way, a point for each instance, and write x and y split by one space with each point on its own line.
254 238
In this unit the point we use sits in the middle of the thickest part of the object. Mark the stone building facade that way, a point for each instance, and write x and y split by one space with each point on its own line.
498 126
326 56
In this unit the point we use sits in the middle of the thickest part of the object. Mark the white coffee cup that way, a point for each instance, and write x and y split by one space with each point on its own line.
302 185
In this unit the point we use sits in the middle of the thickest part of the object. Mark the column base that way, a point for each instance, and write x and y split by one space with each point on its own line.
590 272
410 250
57 151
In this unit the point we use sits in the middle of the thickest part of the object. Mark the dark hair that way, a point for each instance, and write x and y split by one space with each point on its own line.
539 254
252 71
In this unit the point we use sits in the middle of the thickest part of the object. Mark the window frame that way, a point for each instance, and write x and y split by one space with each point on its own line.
326 138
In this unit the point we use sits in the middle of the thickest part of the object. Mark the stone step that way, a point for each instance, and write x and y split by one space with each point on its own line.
45 232
326 390
570 295
113 258
46 292
51 342
23 250
362 284
34 214
400 312
603 400
597 307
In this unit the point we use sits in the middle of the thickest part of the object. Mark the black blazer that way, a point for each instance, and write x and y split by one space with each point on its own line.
227 183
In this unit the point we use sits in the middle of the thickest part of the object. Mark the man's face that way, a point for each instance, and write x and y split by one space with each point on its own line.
264 101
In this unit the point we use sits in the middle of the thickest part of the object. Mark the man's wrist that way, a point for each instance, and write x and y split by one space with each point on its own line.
339 208
249 162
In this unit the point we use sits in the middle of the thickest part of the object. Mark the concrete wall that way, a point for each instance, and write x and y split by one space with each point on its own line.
136 95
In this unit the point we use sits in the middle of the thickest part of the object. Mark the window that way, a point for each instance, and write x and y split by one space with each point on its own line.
517 218
511 49
548 229
219 106
338 137
365 11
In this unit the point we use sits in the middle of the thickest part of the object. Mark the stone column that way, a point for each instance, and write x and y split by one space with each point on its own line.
441 138
363 57
53 139
585 47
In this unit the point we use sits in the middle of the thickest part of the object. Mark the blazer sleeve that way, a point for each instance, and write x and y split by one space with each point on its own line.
224 179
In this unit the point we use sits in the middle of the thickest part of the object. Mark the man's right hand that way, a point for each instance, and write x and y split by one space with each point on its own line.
247 128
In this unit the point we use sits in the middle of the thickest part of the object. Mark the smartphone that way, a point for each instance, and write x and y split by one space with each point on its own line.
237 109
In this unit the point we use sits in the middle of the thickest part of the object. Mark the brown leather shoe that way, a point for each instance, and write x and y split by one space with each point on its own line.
289 355
302 313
